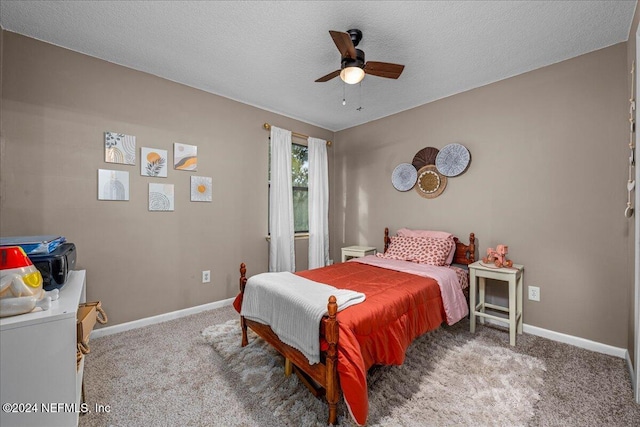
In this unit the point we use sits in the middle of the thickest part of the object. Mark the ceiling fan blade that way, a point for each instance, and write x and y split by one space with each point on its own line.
383 69
344 44
329 76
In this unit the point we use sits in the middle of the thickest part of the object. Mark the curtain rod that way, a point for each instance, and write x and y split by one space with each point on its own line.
267 126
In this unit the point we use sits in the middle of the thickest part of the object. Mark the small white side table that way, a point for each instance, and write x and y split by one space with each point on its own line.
357 252
514 277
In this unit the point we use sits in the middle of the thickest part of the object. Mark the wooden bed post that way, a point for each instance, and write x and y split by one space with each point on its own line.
331 362
243 283
387 240
472 248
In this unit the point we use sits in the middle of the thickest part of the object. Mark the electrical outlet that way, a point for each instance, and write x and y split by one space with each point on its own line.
534 293
206 276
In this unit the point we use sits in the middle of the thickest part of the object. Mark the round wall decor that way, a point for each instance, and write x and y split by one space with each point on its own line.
404 177
430 182
424 157
453 159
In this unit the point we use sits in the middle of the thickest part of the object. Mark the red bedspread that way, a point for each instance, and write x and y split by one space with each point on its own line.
399 307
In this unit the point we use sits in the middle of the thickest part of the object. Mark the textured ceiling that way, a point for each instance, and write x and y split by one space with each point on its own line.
269 53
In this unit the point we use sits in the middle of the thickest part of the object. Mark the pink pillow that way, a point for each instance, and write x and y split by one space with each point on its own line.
423 250
424 233
452 253
406 232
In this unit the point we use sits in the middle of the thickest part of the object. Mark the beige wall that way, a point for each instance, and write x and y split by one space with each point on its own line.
56 105
547 177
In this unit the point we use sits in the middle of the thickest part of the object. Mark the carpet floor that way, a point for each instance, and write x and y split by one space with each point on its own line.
444 380
192 372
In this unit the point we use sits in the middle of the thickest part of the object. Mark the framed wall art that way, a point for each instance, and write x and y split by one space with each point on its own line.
153 162
201 188
185 157
113 185
161 197
119 148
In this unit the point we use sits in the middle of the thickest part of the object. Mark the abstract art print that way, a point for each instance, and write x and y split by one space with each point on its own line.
113 185
153 162
119 148
161 197
185 157
201 188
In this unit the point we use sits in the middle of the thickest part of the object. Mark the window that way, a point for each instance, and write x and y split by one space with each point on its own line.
299 181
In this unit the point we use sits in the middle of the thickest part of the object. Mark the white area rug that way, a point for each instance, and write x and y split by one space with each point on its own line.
445 381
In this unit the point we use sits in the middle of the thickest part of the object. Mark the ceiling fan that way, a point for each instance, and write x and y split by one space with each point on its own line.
353 68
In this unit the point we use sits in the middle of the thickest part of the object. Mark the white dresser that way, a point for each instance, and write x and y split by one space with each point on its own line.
38 368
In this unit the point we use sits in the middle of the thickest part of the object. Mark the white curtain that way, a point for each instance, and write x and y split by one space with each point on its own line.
318 203
281 243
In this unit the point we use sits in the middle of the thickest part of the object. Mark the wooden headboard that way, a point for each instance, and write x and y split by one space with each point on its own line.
465 254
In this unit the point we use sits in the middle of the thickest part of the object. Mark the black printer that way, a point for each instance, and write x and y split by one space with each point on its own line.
55 266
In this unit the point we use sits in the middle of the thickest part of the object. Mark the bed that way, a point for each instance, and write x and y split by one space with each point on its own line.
403 301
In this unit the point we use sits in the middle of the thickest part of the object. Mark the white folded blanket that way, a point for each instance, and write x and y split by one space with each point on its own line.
293 306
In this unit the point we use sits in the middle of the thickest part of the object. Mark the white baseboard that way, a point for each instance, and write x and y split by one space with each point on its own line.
529 329
571 340
576 341
135 324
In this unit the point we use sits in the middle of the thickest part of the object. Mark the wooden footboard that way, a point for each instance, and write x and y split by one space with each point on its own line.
323 374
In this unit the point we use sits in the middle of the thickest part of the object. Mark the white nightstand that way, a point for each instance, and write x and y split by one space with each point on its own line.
357 252
514 277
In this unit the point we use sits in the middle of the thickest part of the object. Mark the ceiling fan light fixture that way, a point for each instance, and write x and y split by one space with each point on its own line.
352 75
352 65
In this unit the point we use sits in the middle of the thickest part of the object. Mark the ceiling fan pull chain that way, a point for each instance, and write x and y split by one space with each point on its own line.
344 99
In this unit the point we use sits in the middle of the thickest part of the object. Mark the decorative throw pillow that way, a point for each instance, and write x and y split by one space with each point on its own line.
406 232
402 248
452 252
436 251
423 250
